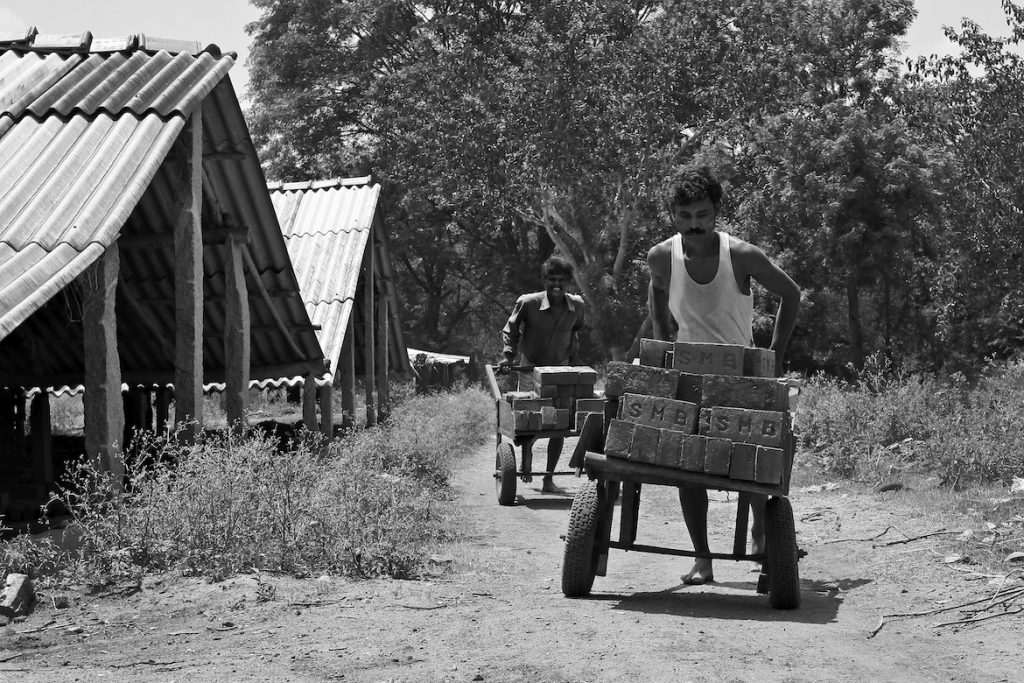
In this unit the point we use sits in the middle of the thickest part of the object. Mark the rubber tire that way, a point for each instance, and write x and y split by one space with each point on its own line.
781 555
505 474
580 563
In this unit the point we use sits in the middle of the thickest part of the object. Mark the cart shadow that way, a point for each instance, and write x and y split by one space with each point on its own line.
820 602
550 502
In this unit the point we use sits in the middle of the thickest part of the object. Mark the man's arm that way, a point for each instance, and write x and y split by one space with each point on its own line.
511 333
775 280
659 264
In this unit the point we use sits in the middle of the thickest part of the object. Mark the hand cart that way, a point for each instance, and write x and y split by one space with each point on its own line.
589 538
508 438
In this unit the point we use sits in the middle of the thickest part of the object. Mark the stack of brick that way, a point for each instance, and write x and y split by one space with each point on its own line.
551 404
715 409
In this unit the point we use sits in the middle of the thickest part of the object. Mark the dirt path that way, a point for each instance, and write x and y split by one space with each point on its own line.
496 612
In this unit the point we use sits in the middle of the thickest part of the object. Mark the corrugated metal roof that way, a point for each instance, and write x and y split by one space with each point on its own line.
84 161
328 225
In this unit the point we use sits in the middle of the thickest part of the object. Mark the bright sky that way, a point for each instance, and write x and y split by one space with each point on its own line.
223 22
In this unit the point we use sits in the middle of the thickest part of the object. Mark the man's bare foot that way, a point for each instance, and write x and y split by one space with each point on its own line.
549 487
700 574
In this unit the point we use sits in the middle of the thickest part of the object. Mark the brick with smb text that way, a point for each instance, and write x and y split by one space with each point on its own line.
764 427
663 413
618 439
640 379
741 464
691 387
652 352
692 453
768 468
758 362
644 446
704 421
717 455
708 359
758 393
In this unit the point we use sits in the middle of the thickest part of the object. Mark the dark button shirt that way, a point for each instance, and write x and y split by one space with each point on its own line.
544 335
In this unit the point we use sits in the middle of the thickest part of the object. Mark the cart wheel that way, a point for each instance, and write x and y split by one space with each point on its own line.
581 557
505 474
781 555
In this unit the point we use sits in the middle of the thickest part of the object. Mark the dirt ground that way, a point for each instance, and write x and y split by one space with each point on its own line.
495 611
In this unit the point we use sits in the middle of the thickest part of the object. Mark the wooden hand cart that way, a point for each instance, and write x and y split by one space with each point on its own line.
589 537
508 438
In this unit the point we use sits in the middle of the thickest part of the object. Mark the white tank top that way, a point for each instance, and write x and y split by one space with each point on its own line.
717 312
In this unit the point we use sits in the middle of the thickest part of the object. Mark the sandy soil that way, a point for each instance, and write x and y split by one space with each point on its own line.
495 611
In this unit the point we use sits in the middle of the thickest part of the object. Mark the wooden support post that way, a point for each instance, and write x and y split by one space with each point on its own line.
382 357
309 402
347 375
325 396
137 413
42 438
236 334
163 408
368 336
739 541
7 450
630 511
104 410
188 286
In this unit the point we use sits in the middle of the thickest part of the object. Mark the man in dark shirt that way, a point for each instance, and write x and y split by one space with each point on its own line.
544 327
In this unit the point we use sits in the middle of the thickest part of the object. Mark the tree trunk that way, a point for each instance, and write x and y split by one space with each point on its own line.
853 317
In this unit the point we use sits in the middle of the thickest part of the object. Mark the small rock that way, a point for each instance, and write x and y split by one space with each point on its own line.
17 597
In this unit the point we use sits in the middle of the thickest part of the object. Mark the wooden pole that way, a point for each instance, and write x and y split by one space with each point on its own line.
347 373
188 287
382 355
42 437
368 336
104 409
325 396
236 334
309 402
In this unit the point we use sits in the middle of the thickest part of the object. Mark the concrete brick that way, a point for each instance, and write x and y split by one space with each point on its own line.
704 421
644 446
548 390
663 413
590 405
532 403
548 416
693 453
764 427
768 467
691 387
717 456
521 420
640 379
564 402
708 359
584 391
758 393
741 465
563 418
512 396
17 596
582 416
758 362
586 376
566 390
618 439
652 352
554 374
535 420
669 447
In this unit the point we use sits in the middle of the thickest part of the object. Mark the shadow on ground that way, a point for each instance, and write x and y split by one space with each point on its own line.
820 601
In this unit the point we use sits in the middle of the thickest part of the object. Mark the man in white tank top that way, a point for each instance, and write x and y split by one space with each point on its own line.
700 292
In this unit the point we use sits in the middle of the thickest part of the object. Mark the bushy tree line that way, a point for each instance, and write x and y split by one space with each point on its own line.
503 131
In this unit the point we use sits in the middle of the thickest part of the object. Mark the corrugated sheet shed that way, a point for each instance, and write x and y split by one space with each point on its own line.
87 157
328 226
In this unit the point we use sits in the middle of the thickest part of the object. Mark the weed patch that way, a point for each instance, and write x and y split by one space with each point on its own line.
372 503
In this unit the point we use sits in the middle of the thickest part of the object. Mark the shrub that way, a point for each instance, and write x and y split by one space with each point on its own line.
372 503
887 421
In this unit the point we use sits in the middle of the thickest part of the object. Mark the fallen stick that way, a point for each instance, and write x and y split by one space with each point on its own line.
849 540
977 619
914 538
875 630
